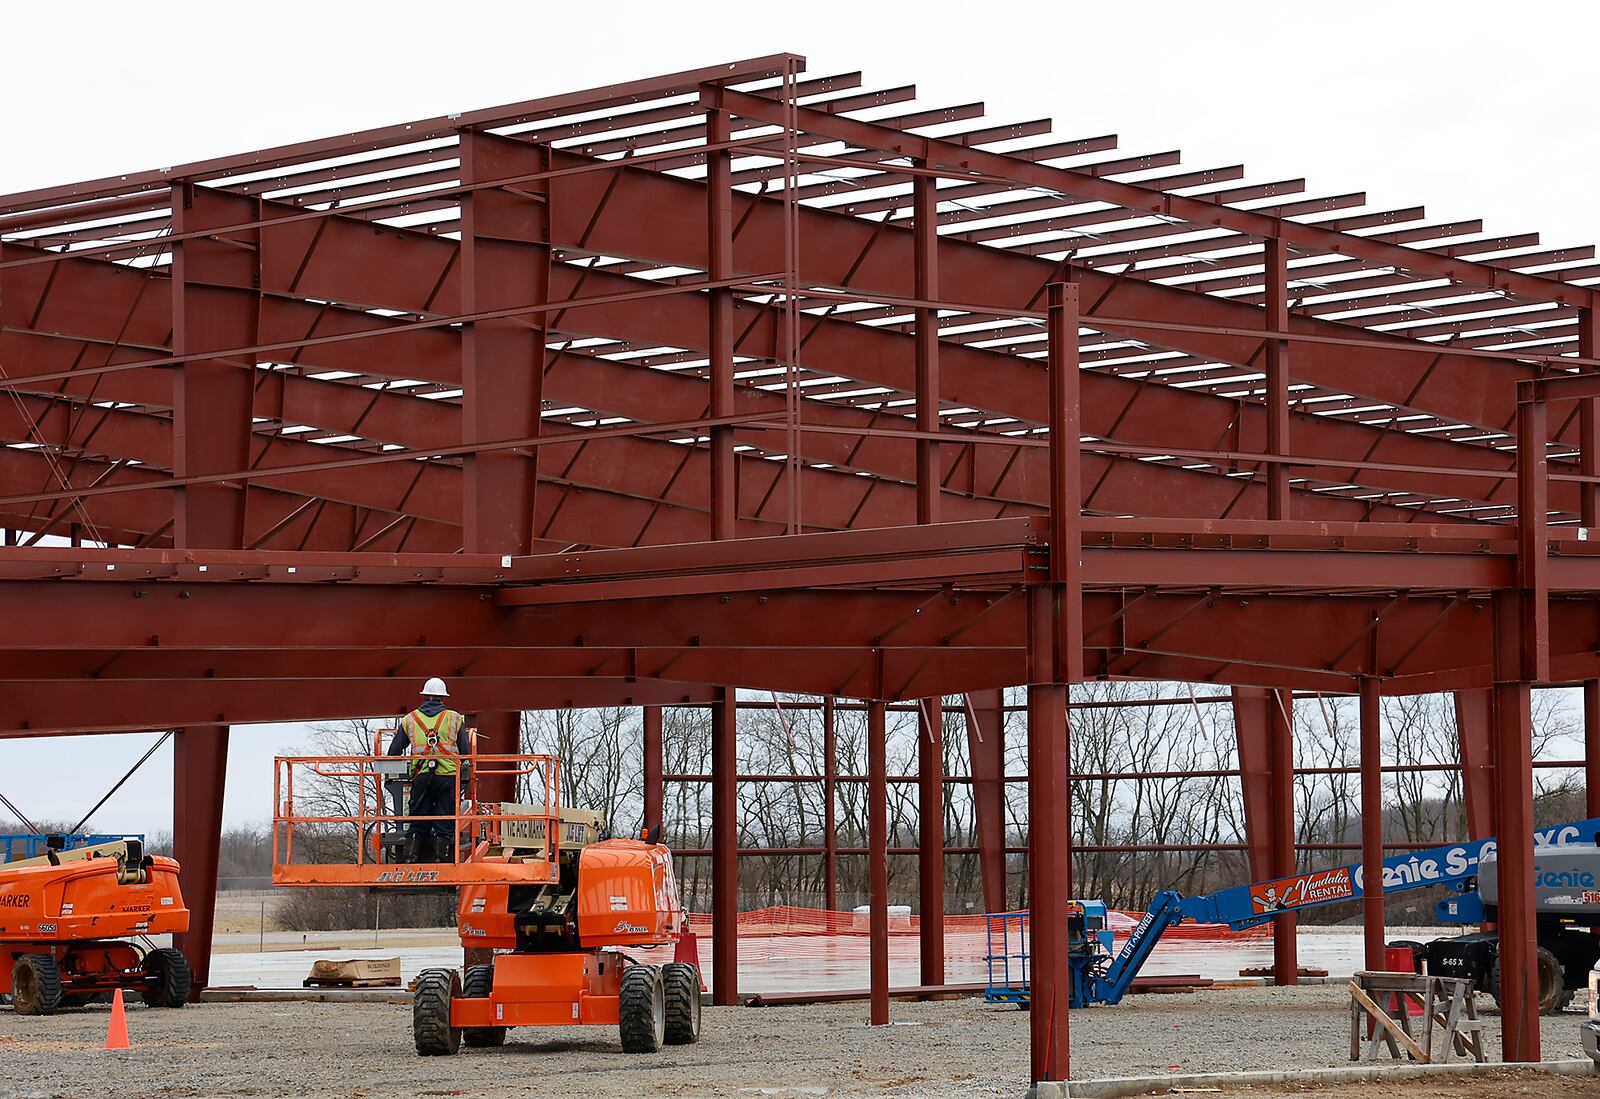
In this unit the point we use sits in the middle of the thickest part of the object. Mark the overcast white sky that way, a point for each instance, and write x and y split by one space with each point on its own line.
1473 109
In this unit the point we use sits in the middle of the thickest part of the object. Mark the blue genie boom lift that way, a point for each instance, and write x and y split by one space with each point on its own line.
1566 898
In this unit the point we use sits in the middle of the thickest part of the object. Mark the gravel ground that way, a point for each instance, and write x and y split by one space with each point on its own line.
938 1050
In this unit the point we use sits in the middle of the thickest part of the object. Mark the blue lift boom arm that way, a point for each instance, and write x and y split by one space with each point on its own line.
1241 906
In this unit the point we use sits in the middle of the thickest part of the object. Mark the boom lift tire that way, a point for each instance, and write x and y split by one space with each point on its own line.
681 984
1553 997
642 1009
167 978
35 985
430 1013
476 985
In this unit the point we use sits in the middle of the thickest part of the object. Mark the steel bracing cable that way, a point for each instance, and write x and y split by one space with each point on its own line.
152 751
26 823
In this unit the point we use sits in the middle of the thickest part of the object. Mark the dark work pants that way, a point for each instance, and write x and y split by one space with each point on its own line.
432 796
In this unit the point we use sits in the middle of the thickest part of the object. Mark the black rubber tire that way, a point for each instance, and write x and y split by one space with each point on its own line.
1553 996
476 985
681 984
35 985
167 979
642 1009
430 1013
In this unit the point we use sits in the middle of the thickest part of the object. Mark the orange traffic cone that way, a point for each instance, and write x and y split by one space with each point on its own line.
117 1032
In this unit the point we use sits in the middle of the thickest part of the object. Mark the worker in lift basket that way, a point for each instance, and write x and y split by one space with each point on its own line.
433 733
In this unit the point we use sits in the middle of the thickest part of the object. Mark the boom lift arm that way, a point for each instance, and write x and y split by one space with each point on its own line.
1453 865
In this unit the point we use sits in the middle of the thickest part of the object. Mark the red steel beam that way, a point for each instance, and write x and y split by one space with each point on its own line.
335 241
629 93
1312 239
877 259
1148 403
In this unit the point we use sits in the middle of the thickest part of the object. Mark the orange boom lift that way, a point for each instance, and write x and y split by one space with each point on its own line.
63 918
553 905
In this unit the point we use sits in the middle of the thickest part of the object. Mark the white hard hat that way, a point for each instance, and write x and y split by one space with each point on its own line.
434 688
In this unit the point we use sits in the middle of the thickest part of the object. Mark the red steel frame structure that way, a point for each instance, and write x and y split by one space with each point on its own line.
742 378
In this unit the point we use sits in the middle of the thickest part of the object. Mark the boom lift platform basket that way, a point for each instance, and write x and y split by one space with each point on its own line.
341 820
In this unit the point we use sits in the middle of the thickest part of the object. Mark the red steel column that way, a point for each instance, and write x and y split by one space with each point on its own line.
1473 724
986 751
930 839
505 262
212 403
878 861
212 399
1521 657
653 787
830 811
1266 779
1285 957
1049 846
1066 479
1533 556
1591 746
1372 823
1589 516
1513 738
725 848
930 741
925 226
719 248
1054 659
199 770
724 523
1276 276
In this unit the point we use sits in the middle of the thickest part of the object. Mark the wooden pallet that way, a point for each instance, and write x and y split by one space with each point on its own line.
352 982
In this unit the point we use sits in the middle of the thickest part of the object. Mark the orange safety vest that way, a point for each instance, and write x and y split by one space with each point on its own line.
434 740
